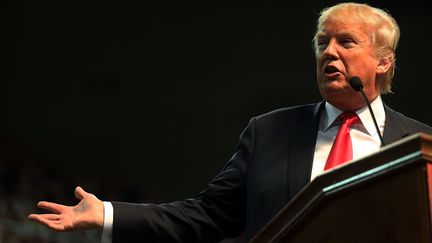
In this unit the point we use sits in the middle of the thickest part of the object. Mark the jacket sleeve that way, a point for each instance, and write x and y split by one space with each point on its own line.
218 212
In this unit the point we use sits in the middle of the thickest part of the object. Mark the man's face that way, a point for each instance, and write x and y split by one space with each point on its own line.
345 50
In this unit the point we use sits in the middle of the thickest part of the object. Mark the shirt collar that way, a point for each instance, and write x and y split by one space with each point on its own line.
331 113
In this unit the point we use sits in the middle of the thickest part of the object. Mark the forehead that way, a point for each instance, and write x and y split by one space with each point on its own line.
343 28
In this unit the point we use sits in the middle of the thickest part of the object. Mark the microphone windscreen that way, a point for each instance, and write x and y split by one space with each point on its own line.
356 83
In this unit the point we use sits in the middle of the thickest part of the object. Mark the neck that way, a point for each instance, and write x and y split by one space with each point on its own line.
353 103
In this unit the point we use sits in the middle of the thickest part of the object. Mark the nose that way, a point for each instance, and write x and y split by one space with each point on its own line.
330 51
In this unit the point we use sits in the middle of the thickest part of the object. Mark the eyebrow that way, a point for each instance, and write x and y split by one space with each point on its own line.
323 34
320 34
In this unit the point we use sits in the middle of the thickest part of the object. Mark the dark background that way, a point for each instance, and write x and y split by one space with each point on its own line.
149 98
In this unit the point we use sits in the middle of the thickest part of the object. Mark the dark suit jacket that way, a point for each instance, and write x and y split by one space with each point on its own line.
272 163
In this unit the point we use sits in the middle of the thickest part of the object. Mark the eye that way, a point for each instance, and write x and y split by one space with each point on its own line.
348 42
322 44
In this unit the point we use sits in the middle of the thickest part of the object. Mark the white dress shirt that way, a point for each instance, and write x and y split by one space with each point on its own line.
108 222
364 137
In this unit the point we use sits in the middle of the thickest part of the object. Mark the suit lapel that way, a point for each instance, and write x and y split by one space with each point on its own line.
302 148
393 128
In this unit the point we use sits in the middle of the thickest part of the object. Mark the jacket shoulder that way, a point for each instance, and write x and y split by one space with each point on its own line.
290 114
410 124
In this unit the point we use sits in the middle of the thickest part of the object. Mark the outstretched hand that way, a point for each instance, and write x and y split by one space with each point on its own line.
87 214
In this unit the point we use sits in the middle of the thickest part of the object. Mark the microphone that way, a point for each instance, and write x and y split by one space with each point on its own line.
357 85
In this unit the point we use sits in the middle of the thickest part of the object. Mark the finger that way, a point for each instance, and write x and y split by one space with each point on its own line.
53 207
80 193
52 224
33 217
52 217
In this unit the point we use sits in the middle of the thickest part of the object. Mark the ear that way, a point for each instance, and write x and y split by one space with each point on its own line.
384 65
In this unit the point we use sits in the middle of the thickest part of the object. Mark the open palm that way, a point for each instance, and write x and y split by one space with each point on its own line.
87 214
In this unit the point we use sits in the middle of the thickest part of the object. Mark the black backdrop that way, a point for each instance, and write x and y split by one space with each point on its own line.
153 96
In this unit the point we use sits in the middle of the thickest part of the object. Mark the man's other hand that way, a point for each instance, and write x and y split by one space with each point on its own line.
87 214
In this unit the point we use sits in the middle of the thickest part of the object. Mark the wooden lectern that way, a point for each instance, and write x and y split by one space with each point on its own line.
385 197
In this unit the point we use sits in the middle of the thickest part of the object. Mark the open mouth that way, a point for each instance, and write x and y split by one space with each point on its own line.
331 70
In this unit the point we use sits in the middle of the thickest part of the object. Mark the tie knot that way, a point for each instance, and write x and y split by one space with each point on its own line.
349 118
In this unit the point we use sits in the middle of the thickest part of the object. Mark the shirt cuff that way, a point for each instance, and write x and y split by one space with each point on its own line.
108 223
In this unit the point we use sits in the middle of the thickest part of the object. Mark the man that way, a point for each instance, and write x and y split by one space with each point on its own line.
279 152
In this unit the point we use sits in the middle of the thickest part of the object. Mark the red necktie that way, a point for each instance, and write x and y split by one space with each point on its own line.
341 150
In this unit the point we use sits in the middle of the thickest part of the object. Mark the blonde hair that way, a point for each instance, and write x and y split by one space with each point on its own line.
384 32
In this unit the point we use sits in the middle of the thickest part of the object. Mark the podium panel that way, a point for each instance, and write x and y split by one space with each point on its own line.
385 197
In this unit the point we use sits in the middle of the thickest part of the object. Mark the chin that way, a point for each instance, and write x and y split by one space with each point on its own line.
337 92
335 89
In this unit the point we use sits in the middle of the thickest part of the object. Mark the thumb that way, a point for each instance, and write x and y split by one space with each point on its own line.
80 193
